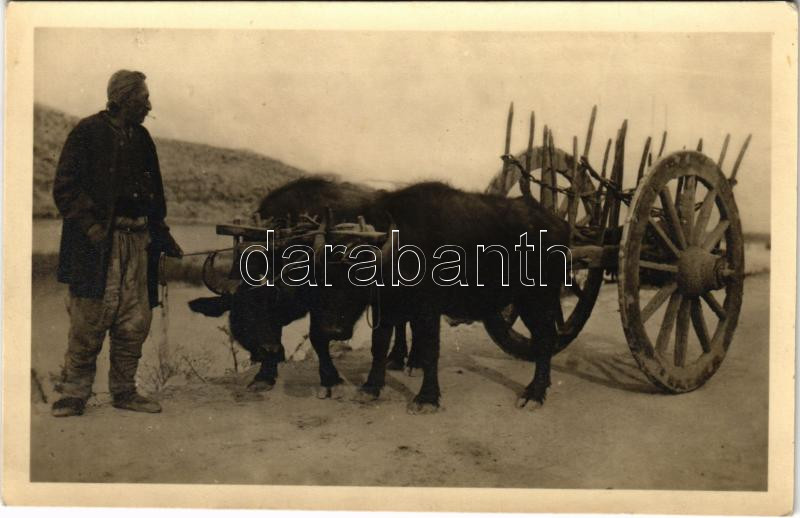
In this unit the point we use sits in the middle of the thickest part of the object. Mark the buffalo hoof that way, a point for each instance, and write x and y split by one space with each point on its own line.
420 408
334 392
530 404
365 396
395 365
261 385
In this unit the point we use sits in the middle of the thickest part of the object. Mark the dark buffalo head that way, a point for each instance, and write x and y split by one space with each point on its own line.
338 302
336 309
257 314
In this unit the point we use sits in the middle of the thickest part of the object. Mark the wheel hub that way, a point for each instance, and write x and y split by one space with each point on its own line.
700 272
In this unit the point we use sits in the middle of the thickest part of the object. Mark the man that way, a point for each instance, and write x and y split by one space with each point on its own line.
109 192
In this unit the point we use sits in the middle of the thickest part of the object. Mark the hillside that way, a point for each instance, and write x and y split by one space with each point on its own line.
202 183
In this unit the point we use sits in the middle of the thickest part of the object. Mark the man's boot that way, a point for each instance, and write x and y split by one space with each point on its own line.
136 402
68 406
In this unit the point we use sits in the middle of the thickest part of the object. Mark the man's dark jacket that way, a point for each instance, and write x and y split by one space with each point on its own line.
86 191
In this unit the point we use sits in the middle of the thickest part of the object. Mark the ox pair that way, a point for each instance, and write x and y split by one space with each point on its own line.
428 216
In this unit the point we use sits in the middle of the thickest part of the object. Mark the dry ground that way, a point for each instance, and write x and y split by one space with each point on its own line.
603 426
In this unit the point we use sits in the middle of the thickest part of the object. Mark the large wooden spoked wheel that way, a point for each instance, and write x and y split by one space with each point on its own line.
684 226
577 301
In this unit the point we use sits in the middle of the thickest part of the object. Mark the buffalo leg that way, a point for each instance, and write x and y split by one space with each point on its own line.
328 375
397 358
542 325
268 370
268 360
414 357
371 389
425 332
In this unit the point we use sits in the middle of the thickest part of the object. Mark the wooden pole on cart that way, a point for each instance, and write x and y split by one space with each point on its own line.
682 179
529 154
598 212
605 159
590 208
545 195
576 189
738 162
643 161
524 181
663 142
617 172
552 181
724 150
507 147
589 132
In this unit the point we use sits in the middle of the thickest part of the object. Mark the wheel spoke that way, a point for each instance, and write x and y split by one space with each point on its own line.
588 194
672 216
714 305
584 221
658 300
702 217
686 202
699 322
682 333
510 314
664 237
560 316
668 323
563 208
659 266
713 237
575 288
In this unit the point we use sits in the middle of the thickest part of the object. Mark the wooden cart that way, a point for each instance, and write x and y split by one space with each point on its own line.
678 258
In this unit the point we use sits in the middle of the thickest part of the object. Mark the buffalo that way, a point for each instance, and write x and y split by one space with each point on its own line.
430 216
257 315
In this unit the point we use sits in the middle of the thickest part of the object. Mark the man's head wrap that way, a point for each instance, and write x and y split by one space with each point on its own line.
122 84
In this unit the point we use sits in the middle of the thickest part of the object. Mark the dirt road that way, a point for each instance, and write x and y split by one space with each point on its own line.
603 425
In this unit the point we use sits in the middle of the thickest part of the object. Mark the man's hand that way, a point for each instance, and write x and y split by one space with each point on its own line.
171 247
96 233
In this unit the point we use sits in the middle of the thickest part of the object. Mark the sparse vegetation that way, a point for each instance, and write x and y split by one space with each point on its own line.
155 377
233 348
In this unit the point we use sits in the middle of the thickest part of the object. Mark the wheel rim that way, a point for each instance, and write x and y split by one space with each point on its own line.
577 301
683 224
577 307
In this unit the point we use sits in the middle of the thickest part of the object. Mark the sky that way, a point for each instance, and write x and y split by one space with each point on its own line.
406 106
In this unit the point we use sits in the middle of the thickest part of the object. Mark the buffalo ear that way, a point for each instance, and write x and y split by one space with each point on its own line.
211 306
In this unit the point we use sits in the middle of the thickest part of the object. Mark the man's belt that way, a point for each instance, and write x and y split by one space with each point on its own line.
126 224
